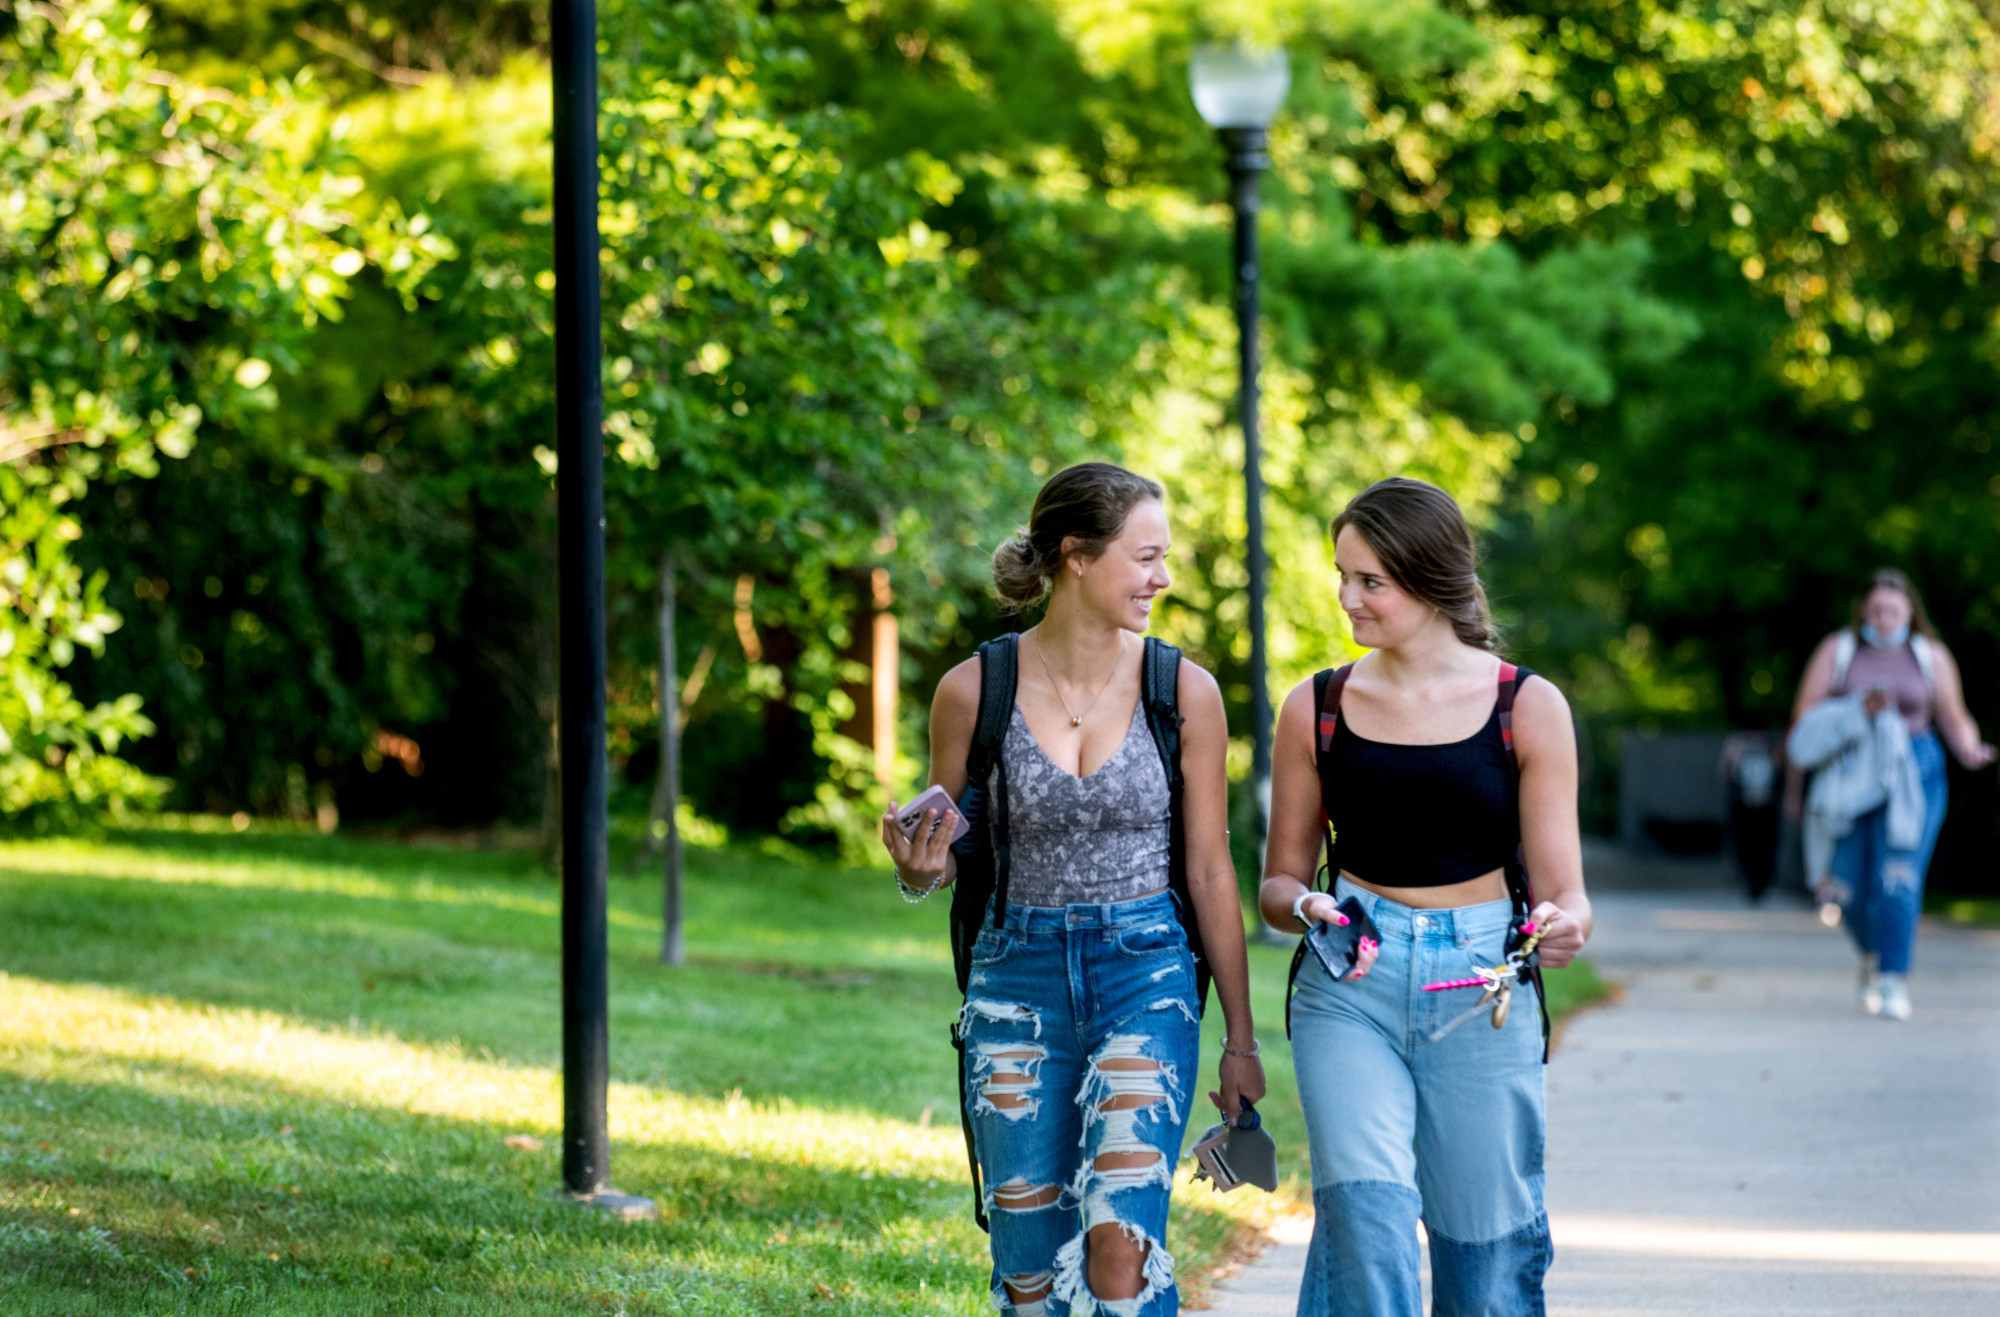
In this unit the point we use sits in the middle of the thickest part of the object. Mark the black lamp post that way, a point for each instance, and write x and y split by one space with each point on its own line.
1237 91
580 564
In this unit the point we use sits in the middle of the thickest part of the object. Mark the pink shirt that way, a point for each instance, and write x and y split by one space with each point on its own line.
1895 671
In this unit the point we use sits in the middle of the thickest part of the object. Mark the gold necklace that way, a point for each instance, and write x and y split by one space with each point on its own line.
1075 719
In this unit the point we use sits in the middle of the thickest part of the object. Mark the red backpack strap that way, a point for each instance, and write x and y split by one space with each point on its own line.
1510 683
1330 683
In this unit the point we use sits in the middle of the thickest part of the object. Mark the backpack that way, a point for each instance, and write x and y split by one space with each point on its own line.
1849 644
1327 687
982 855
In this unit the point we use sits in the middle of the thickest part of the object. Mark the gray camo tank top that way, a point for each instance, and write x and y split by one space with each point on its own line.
1100 838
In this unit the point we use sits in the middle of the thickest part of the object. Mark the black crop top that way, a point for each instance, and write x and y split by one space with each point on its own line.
1422 815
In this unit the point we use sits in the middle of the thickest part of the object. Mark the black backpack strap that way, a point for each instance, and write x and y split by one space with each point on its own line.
1520 890
965 1128
1511 677
1328 685
1160 693
999 671
982 854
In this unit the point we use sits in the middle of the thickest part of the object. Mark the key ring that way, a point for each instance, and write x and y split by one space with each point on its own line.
1497 980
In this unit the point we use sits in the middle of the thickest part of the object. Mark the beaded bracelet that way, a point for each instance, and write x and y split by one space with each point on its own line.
1227 1050
917 895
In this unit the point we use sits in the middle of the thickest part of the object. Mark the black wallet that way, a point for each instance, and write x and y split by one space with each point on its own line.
1338 946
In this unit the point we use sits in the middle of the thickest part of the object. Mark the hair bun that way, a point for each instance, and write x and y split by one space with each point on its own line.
1019 576
1080 510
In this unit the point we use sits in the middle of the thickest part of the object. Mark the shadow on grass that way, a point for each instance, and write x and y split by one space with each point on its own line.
871 1040
180 1188
804 988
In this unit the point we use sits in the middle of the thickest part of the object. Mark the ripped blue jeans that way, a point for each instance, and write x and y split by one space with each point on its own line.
1402 1127
1081 1042
1887 884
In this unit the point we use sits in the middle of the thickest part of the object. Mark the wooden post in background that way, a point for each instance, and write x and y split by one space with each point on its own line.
885 672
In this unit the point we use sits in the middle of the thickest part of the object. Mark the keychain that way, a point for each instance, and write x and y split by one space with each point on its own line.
1240 1153
1497 980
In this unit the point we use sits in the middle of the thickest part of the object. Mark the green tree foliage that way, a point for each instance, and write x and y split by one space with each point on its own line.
1653 287
352 46
1387 349
799 388
1818 184
161 247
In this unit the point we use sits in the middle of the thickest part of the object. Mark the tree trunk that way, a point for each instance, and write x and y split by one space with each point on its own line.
885 673
667 791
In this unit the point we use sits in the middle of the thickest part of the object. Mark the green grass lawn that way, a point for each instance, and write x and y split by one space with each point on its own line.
270 1072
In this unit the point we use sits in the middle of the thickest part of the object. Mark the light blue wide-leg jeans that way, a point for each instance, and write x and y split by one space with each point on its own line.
1404 1128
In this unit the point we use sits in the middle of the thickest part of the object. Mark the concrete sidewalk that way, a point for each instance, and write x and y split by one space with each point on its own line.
1734 1136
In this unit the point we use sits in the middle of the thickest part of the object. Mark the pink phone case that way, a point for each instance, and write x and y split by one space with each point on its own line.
937 798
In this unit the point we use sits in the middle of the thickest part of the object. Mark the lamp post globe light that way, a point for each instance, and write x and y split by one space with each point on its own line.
1238 89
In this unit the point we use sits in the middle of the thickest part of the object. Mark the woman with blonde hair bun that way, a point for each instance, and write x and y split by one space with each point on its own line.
1092 901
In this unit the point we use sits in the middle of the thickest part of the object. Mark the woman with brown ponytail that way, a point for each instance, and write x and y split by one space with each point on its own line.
1439 767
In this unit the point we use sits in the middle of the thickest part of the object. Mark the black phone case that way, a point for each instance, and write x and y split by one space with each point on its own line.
1339 946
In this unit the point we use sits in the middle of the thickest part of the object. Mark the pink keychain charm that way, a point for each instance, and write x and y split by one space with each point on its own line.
1497 980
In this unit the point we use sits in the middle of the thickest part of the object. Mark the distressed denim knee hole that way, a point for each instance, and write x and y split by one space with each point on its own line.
1007 1078
1080 1279
1024 1294
1017 1195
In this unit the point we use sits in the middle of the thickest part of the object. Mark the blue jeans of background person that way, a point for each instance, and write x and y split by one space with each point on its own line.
1886 885
1081 1040
1402 1127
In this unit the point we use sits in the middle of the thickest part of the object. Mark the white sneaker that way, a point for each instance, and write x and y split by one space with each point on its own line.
1895 997
1872 997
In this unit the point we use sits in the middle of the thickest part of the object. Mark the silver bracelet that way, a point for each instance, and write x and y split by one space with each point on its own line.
1227 1050
916 895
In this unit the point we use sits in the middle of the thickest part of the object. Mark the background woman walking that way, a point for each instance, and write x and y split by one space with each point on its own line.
1890 658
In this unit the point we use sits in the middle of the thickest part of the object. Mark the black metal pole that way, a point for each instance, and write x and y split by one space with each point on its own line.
580 537
1247 162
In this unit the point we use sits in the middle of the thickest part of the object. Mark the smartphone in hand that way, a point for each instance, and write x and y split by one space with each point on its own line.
1338 946
936 798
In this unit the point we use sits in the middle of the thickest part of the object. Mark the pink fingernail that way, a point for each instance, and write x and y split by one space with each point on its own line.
1342 920
1528 927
